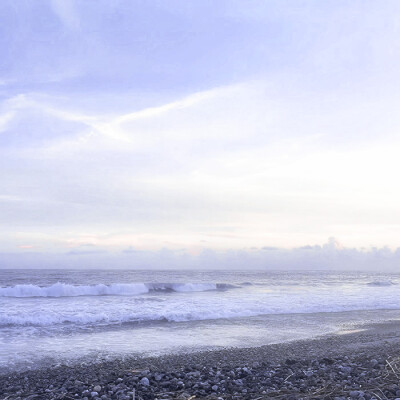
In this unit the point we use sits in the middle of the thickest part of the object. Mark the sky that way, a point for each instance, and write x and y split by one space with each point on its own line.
191 130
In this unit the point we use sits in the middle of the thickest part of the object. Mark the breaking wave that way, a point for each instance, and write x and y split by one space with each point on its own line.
381 283
118 289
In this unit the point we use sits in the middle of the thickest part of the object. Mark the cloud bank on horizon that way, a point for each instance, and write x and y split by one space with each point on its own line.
198 127
331 256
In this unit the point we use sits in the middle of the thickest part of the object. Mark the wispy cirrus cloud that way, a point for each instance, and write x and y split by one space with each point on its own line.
178 173
270 126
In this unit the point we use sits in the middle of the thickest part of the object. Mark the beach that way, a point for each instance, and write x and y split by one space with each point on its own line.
359 364
118 335
198 200
61 317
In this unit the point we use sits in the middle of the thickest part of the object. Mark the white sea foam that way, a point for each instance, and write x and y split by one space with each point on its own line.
168 314
97 311
182 287
62 304
118 289
65 290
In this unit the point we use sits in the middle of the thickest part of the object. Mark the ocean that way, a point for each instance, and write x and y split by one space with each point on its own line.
50 317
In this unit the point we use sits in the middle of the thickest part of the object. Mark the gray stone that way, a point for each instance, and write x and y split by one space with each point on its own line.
183 396
97 388
144 381
346 370
158 377
215 388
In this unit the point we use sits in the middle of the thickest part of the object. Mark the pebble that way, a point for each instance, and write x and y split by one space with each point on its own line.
233 374
144 381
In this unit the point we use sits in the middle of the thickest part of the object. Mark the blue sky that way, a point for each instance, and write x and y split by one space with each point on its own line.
193 125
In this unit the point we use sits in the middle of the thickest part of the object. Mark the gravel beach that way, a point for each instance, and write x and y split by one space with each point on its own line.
362 364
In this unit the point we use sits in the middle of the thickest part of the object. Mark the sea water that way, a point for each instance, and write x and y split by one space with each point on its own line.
59 316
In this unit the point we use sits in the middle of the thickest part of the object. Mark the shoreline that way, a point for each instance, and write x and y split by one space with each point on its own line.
361 364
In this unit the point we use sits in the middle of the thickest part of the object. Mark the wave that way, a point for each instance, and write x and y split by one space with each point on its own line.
87 318
381 283
118 289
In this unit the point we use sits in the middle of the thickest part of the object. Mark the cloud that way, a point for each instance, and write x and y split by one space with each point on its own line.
29 123
235 166
67 13
85 252
5 119
327 257
114 46
271 126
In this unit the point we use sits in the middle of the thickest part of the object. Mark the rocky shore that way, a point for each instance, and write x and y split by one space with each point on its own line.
359 365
